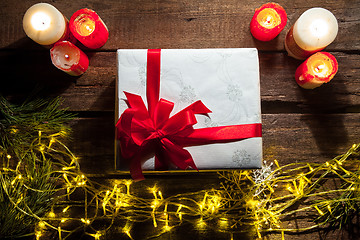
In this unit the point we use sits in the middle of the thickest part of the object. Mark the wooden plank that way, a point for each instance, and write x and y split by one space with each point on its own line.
95 90
286 137
182 24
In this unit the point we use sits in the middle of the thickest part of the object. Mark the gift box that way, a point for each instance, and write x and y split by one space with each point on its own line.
226 81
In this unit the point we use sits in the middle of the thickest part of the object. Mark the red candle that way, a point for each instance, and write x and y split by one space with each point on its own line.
88 28
69 58
317 69
268 21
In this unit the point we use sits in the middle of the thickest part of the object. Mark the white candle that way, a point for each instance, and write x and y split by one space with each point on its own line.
315 29
44 24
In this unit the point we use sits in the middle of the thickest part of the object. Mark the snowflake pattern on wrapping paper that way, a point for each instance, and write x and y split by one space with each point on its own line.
234 93
187 95
241 157
142 74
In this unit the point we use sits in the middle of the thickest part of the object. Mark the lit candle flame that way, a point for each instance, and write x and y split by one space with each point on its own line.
40 21
268 19
319 68
319 28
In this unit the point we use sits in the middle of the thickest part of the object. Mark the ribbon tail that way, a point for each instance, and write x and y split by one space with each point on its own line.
224 134
159 165
198 107
135 168
177 155
160 158
134 101
123 133
185 118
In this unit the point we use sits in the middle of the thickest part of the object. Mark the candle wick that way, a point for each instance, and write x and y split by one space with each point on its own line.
319 68
268 19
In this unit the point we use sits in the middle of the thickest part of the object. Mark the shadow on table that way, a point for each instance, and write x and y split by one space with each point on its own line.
322 109
27 70
28 73
325 118
350 232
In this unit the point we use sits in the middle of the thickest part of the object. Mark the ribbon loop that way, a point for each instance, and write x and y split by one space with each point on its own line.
162 112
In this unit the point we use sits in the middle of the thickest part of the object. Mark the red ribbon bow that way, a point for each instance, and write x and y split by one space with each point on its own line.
142 130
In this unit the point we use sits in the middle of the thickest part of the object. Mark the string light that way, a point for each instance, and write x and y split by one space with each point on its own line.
223 223
160 195
329 208
52 140
68 168
14 130
51 215
127 184
201 225
154 219
310 167
178 213
97 235
38 234
39 134
59 232
276 163
18 177
65 209
86 221
254 203
42 148
155 204
319 211
41 224
153 190
127 230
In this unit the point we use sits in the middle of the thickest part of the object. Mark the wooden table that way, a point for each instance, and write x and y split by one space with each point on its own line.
298 125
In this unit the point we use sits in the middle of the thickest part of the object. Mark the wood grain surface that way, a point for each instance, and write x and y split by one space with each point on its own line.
182 24
298 125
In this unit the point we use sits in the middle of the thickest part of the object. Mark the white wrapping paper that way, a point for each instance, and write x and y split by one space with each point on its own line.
226 80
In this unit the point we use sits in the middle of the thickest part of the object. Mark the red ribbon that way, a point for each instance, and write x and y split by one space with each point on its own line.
142 131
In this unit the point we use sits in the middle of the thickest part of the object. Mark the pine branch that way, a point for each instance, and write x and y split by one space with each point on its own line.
27 179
